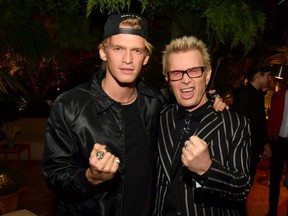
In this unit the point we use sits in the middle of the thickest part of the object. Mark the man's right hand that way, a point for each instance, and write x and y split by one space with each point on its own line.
101 168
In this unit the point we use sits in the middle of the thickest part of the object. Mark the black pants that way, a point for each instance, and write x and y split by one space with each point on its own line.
277 160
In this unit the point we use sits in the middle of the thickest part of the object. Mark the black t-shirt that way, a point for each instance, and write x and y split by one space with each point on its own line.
138 164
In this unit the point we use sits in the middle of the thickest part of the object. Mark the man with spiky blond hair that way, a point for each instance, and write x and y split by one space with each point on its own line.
203 163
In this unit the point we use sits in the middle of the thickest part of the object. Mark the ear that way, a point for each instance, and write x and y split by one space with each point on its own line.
146 59
257 75
102 54
208 76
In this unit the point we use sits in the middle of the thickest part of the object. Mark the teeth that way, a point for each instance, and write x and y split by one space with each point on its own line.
187 90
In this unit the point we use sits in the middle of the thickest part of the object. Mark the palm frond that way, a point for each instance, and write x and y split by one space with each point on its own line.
113 6
234 22
10 84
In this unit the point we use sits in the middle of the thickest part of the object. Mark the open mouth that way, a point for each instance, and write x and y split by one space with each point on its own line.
187 92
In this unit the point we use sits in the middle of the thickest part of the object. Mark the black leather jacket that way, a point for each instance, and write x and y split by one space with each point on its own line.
78 119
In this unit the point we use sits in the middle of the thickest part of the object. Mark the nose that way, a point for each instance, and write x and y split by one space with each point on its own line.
127 57
185 78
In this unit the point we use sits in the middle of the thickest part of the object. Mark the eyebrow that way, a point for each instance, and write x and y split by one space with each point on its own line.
124 47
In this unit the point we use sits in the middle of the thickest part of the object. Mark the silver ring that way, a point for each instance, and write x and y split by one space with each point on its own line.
99 155
218 96
187 143
117 161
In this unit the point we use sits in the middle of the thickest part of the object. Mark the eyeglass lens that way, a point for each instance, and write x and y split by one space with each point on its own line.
191 72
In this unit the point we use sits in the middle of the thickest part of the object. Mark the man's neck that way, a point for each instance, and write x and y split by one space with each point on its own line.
123 94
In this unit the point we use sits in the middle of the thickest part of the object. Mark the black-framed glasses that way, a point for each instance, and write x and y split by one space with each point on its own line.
193 72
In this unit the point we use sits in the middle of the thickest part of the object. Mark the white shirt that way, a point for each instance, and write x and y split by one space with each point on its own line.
284 126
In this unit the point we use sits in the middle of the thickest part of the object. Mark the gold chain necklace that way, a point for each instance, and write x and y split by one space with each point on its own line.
126 102
132 99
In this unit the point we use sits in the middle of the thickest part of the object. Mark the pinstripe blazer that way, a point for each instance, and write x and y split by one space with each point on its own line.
225 183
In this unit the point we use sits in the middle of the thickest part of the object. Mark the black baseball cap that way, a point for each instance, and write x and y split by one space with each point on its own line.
261 69
112 25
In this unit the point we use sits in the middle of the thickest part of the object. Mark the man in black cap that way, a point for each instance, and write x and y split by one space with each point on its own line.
101 136
249 101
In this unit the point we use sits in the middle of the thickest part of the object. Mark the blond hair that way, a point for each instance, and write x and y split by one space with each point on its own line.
185 44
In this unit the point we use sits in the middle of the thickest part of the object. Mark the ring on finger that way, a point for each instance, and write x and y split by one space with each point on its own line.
218 96
187 143
99 155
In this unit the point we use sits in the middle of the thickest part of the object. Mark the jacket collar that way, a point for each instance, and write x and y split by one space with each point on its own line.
102 100
196 115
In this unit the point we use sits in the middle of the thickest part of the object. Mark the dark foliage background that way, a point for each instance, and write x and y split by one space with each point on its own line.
48 47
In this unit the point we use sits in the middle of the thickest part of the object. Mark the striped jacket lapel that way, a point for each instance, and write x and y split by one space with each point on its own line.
165 146
208 125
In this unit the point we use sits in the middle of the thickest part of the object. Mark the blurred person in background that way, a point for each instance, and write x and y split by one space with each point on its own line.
249 101
277 128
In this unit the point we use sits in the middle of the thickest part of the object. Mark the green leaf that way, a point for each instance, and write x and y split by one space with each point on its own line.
234 22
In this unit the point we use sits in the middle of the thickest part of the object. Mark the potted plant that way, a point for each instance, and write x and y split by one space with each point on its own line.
11 187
